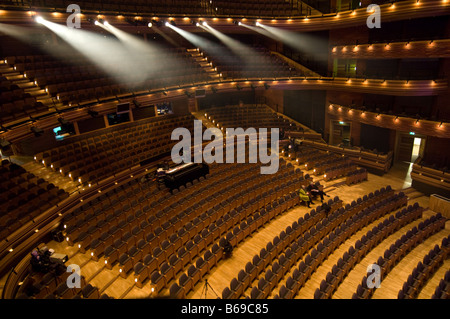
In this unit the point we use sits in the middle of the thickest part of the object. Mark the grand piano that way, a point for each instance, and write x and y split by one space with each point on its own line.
183 173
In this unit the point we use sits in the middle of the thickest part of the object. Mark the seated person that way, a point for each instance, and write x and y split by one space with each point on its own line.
315 190
304 196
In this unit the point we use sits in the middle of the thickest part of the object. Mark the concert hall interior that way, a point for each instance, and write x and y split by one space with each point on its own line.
347 196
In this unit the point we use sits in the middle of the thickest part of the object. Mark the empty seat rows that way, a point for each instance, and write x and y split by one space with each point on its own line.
308 236
400 248
338 231
356 176
53 285
256 62
239 226
424 270
283 242
248 116
93 159
157 207
234 222
15 103
442 291
77 80
23 197
301 274
367 242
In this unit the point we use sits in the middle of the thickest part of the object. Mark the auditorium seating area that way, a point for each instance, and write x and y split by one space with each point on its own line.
375 161
95 156
76 80
23 197
150 237
330 165
443 289
399 249
357 208
248 116
15 103
315 228
425 270
257 63
53 285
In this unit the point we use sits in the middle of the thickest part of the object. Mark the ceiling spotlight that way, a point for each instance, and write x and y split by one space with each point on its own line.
39 19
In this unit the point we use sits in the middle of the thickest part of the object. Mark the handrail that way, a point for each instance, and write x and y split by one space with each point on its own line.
17 274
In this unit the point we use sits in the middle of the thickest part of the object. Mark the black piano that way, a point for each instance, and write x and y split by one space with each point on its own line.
184 173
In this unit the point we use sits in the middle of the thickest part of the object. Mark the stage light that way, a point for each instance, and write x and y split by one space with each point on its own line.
96 23
197 24
239 23
150 24
258 24
167 24
205 23
106 23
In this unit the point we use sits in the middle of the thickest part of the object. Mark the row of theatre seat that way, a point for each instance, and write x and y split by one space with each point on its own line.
77 80
425 269
256 62
303 236
442 291
330 165
23 196
354 254
356 176
161 238
53 285
395 253
94 157
15 103
248 116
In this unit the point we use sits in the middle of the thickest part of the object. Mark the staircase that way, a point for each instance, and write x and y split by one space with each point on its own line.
28 86
203 62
